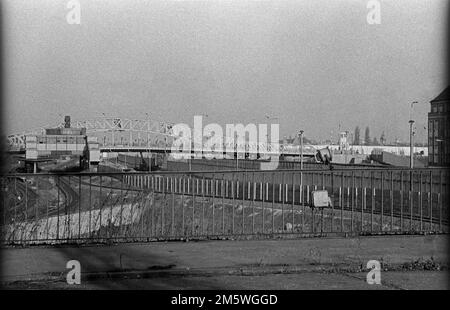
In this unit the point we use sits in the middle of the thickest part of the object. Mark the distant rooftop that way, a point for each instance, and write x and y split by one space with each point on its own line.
444 96
65 131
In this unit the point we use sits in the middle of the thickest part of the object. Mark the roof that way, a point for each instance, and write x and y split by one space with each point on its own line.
443 96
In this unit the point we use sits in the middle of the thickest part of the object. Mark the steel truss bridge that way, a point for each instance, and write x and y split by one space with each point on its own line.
137 135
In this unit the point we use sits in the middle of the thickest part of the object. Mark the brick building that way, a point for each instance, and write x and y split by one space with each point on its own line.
438 131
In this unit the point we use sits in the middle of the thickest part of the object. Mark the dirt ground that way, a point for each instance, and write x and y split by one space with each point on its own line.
407 262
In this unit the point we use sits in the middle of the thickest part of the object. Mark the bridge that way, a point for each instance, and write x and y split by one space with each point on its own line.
144 135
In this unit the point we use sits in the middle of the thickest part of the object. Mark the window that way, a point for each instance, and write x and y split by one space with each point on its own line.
441 108
446 153
436 129
430 129
433 108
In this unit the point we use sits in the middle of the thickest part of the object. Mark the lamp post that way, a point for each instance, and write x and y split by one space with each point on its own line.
411 144
197 152
346 146
411 109
411 135
300 134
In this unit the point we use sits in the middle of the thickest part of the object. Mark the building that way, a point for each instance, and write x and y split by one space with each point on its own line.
438 132
62 144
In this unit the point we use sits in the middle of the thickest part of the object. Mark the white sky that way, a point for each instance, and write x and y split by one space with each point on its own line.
312 64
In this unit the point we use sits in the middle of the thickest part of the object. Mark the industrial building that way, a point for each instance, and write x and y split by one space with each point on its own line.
62 144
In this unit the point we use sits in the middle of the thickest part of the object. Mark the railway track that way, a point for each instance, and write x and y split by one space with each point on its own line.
273 191
267 194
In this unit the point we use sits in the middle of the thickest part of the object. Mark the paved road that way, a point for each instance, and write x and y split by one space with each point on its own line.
324 263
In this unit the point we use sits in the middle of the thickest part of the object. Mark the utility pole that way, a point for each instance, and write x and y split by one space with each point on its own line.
300 134
411 144
345 147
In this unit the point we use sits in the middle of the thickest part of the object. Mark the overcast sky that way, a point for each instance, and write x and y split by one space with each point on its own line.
312 64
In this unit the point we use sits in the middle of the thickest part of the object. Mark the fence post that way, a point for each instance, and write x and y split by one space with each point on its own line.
353 199
203 206
382 200
262 202
253 202
341 201
243 201
222 190
193 204
392 200
302 202
411 174
372 202
331 197
362 200
440 200
430 200
182 205
401 200
273 202
420 201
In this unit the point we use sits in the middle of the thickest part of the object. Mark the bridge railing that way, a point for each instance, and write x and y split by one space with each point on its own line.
85 207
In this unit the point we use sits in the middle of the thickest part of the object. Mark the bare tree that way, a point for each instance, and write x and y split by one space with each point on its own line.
375 141
382 139
367 136
356 138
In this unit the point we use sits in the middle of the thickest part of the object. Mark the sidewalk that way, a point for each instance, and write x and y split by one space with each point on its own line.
237 264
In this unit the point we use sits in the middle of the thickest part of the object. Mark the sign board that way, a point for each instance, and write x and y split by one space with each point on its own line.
321 199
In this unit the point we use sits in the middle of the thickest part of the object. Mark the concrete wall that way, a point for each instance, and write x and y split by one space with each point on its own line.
367 149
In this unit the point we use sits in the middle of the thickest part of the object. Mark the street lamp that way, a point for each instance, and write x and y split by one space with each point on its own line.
347 144
411 109
270 118
300 134
411 134
411 144
197 152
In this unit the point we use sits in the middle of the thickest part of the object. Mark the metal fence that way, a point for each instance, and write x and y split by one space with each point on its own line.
83 207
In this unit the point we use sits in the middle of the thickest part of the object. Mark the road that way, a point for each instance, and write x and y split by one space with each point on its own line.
408 262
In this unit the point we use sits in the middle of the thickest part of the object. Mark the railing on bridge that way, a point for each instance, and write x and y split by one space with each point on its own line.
66 207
